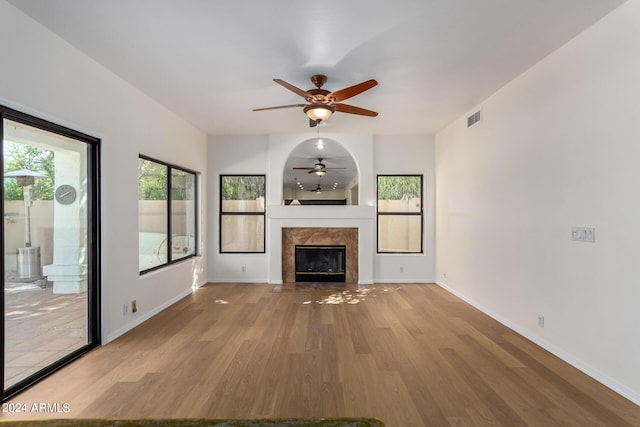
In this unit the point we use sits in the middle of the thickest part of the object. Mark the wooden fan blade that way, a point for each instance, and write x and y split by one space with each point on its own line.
280 106
302 169
293 89
344 108
350 91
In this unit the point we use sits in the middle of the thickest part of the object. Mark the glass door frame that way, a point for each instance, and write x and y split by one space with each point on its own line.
93 247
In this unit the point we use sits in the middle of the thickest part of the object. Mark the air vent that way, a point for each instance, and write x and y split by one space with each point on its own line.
473 119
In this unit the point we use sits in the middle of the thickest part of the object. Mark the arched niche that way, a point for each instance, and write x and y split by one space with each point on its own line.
339 184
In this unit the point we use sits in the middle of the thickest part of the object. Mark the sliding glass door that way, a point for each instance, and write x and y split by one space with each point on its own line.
50 247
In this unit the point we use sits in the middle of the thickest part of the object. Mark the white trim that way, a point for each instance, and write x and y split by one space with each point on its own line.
420 281
360 282
139 320
237 280
605 380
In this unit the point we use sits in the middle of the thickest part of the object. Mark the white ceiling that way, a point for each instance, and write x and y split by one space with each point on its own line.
213 61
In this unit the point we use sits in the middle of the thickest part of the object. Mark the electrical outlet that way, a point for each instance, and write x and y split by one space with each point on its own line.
445 274
401 269
134 306
125 310
583 234
541 320
244 268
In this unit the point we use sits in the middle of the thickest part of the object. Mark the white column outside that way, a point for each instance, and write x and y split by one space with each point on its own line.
69 269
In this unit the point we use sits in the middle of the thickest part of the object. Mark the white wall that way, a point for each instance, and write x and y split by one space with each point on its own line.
359 147
360 216
43 75
409 154
244 155
557 147
250 154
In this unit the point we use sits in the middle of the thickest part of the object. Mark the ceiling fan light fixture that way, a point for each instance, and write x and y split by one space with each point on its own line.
320 172
319 112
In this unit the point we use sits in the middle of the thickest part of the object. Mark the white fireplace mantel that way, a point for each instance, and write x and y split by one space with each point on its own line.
360 217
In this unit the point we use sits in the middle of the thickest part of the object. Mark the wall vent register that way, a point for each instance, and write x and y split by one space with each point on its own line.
473 119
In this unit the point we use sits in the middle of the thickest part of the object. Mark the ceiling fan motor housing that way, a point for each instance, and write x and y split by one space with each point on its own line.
319 80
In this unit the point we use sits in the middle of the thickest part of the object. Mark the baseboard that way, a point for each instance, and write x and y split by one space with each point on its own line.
146 316
404 281
199 285
604 379
280 282
360 282
237 280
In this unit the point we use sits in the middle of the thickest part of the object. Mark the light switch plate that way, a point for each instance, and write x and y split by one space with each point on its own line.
583 234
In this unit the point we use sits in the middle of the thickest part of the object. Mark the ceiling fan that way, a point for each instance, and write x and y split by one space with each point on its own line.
319 168
319 190
322 103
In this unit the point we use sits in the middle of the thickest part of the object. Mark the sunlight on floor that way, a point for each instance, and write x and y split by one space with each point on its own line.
352 297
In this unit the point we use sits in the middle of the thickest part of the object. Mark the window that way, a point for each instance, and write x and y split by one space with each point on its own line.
242 213
167 214
50 270
399 213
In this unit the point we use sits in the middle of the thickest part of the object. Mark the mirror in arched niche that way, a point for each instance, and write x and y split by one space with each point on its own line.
303 182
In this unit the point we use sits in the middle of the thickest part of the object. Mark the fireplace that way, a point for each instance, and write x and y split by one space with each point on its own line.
320 263
319 236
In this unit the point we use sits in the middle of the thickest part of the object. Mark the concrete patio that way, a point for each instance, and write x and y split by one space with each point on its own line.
40 327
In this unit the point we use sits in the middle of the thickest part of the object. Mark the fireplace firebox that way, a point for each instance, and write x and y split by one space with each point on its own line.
320 263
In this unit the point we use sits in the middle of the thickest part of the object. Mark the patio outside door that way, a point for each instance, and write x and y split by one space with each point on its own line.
50 248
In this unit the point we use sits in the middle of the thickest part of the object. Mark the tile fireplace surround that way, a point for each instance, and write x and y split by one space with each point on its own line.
319 236
317 220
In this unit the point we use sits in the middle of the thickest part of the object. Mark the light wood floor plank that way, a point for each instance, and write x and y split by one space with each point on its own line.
411 355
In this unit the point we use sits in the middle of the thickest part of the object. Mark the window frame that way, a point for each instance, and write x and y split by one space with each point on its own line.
222 214
399 213
94 247
196 219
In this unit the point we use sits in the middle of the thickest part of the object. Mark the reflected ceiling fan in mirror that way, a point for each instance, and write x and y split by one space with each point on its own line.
322 103
319 168
319 190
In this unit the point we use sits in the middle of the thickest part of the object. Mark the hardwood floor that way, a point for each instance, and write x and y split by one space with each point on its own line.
410 355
